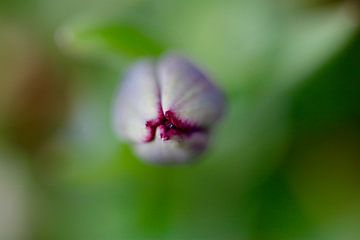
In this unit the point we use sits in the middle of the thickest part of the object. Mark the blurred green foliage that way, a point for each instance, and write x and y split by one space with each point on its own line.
283 163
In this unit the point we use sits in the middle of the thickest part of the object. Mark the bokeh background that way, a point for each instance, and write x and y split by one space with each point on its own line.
284 163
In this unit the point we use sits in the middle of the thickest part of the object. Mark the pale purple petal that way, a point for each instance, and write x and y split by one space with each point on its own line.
174 151
137 102
188 93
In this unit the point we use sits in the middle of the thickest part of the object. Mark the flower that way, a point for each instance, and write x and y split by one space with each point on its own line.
167 109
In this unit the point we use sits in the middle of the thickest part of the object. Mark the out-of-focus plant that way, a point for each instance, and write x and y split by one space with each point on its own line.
290 74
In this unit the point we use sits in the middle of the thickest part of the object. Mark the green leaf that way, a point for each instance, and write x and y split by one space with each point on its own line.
110 39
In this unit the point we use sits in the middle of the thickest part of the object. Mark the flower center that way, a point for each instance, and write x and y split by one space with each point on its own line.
169 125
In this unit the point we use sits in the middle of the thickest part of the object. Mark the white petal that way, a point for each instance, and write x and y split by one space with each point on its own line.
173 151
187 92
137 102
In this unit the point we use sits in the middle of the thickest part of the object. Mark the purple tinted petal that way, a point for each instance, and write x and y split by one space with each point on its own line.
174 151
188 93
137 102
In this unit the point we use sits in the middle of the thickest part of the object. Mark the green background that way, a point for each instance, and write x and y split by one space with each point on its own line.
283 162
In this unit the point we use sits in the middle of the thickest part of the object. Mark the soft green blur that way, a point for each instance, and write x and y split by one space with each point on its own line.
284 162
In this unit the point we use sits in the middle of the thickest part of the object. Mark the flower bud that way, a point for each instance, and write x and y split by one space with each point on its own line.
167 109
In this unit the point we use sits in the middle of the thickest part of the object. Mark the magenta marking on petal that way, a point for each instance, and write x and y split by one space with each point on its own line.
170 126
181 124
151 125
163 133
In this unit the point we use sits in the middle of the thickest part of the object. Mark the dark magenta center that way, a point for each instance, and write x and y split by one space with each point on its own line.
169 126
